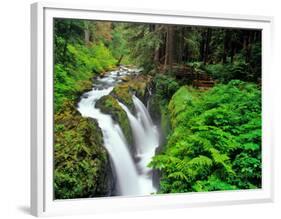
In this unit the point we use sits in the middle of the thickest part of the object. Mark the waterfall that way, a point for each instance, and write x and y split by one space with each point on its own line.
133 177
145 118
114 141
138 130
145 134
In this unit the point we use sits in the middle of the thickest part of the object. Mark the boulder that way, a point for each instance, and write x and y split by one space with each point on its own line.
109 105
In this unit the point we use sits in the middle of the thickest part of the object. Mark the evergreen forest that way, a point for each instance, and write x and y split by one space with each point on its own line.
201 87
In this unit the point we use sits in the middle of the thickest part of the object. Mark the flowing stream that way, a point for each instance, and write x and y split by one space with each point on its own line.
133 175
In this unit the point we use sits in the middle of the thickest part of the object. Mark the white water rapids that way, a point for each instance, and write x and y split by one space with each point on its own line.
133 177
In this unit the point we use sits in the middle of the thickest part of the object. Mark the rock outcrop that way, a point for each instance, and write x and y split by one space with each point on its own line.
82 164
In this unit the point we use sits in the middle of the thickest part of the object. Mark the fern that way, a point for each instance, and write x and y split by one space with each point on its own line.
215 141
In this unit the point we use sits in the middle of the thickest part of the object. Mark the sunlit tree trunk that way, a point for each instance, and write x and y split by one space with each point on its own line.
86 33
156 55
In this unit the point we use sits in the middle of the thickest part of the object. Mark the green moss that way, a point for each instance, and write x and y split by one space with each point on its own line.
123 93
154 108
140 85
82 167
137 85
179 103
164 86
109 105
165 121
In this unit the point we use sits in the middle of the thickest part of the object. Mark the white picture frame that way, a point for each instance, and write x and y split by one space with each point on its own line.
42 203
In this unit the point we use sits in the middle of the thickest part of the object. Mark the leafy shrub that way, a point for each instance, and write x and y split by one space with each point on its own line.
227 72
165 86
82 167
256 60
215 143
63 86
74 76
96 58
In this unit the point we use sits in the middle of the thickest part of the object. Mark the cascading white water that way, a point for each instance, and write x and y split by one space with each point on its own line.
145 118
151 140
114 140
145 134
132 178
137 128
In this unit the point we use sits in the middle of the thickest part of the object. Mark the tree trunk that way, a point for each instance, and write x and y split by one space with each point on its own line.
248 47
156 56
208 39
202 46
180 42
119 60
86 33
225 47
232 52
87 36
66 41
169 59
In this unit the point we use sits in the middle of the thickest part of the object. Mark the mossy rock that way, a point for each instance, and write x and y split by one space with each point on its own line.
123 93
137 85
158 110
154 108
125 79
109 105
181 100
140 85
82 164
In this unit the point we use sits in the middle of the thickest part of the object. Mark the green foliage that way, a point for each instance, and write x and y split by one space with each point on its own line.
180 103
212 184
77 62
82 167
119 44
227 72
215 142
67 31
256 60
213 137
96 58
192 40
64 86
165 86
142 42
74 77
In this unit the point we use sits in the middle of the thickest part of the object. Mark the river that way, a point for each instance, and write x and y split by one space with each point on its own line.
133 175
